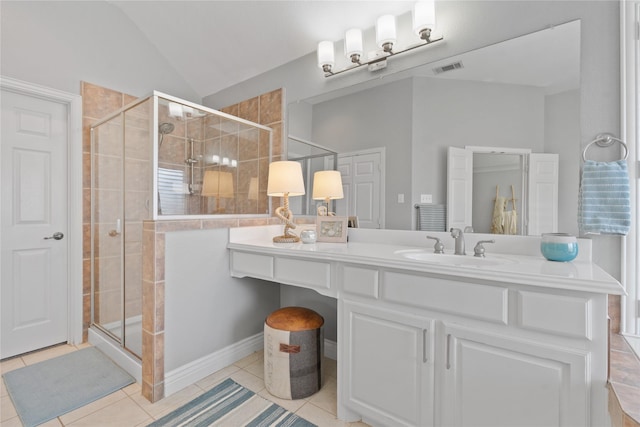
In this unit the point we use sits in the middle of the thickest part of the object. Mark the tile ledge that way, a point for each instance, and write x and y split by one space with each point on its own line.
619 392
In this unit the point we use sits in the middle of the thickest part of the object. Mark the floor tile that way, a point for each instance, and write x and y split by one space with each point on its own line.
133 389
13 422
319 416
248 380
217 377
124 412
127 407
327 397
49 353
7 410
52 423
250 359
256 368
11 364
289 405
330 367
168 404
92 407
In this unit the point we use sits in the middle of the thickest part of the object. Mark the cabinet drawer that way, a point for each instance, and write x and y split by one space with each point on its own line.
300 272
464 299
253 265
360 281
555 314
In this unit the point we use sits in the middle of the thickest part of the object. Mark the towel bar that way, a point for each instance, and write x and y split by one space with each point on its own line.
605 140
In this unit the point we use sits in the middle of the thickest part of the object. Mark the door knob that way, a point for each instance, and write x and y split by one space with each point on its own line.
56 236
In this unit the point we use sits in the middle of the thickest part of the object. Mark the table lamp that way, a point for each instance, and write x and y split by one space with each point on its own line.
285 179
217 184
327 185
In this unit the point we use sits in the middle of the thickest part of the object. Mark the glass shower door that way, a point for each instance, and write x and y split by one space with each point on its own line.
106 222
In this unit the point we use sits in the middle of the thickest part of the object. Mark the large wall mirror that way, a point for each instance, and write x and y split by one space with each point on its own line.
520 94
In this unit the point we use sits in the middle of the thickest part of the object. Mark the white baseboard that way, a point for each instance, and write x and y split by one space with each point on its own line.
194 371
200 368
331 349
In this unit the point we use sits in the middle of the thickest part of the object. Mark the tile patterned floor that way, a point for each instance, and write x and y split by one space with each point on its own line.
127 407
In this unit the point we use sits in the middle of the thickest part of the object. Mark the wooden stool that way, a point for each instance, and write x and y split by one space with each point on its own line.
293 352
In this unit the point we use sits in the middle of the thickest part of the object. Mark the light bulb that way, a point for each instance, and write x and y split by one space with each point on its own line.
386 32
353 44
424 18
326 58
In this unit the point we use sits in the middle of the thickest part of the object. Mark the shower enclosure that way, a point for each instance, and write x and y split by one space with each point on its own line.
162 158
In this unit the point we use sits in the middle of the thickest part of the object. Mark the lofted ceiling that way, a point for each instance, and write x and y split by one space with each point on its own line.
216 44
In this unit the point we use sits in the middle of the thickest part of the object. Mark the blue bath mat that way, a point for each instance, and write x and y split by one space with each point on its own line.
230 404
46 390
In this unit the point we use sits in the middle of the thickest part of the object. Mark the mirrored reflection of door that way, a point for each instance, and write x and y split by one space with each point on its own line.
362 179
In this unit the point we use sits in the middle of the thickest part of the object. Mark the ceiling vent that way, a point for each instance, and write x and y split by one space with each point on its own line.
449 67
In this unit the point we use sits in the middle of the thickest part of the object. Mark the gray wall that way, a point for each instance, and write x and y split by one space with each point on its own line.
562 118
60 43
379 117
205 308
469 25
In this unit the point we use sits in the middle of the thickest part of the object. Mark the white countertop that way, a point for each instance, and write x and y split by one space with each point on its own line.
523 268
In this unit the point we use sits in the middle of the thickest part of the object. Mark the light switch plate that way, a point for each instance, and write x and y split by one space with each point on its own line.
426 198
400 198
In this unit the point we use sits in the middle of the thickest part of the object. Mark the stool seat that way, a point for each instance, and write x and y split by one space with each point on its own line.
294 319
293 352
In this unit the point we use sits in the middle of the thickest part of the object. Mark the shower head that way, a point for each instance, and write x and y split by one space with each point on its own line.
166 128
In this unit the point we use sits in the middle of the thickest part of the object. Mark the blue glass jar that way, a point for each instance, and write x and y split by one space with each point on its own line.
559 246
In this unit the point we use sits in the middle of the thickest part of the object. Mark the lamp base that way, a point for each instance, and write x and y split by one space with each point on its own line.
286 239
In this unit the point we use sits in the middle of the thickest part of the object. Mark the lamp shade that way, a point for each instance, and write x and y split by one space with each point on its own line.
386 30
217 184
327 185
353 42
424 16
285 177
325 54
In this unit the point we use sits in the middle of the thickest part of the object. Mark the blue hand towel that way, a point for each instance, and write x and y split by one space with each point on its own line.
603 205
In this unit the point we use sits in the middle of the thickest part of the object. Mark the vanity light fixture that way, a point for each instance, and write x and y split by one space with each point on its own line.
423 20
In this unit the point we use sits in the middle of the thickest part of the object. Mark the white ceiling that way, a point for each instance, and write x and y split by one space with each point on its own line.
216 44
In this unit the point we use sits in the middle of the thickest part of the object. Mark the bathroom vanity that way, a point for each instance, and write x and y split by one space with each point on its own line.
430 339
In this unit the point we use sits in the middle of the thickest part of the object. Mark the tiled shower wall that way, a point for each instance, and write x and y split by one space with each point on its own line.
98 102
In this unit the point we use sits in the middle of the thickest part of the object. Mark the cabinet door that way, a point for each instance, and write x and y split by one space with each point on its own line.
491 380
389 366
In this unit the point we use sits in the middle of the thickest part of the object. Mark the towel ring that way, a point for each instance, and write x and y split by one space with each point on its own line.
605 140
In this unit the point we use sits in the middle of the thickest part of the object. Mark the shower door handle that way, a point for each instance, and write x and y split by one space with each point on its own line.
56 236
118 230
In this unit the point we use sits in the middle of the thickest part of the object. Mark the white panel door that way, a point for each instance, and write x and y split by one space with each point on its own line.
389 367
361 181
459 188
543 193
490 380
34 210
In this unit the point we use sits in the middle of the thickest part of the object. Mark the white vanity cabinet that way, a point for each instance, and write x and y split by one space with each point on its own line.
430 344
388 366
499 381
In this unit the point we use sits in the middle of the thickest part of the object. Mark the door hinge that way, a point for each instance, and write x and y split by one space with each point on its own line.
637 30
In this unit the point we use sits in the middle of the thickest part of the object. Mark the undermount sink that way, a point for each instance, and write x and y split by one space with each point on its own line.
450 259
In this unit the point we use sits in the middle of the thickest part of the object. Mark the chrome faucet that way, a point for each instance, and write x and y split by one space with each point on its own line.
458 236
